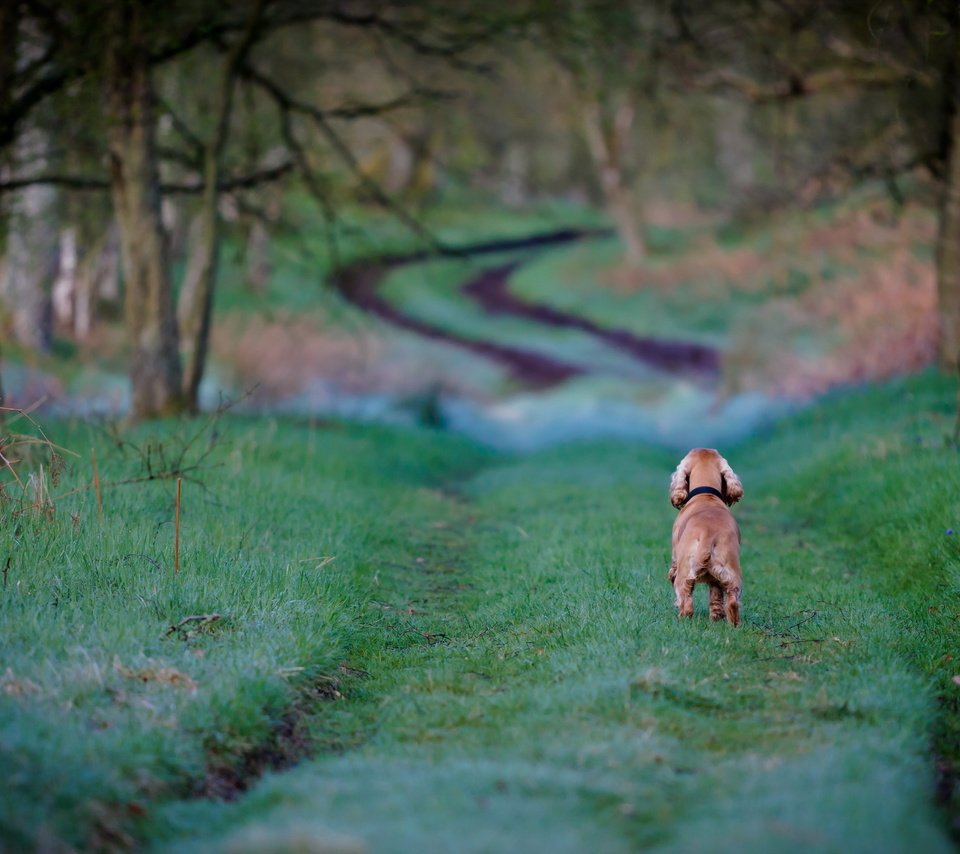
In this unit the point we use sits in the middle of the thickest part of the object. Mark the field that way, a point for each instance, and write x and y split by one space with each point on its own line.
460 649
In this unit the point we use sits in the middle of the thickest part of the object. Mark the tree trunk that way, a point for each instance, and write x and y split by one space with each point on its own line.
32 255
9 32
257 258
948 256
96 280
607 142
736 152
64 293
155 371
195 309
3 397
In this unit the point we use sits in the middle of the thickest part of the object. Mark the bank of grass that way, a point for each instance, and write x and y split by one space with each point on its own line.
526 685
515 678
799 303
103 709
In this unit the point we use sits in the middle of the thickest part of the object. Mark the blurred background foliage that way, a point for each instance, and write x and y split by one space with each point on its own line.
184 185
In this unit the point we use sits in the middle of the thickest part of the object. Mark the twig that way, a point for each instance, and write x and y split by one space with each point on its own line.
96 485
156 563
176 530
193 618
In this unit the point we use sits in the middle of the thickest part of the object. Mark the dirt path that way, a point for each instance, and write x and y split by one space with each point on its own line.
360 284
491 290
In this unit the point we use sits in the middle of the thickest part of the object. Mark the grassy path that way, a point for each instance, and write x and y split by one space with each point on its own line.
502 634
528 687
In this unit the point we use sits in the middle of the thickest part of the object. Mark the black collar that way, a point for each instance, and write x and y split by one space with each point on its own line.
703 490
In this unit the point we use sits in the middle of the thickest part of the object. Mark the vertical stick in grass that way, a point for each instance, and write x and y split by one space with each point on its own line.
176 531
96 486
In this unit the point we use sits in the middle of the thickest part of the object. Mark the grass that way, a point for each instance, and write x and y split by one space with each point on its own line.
102 707
301 255
565 706
567 279
514 677
806 293
432 292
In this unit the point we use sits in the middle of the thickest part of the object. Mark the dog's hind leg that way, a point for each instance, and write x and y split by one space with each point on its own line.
733 605
729 581
716 601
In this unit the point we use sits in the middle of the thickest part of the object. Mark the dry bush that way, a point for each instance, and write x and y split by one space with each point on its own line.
875 325
283 356
30 465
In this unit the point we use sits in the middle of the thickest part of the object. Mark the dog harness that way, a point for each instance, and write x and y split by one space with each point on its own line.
703 490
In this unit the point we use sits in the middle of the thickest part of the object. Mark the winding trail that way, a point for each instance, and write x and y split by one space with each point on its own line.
360 286
490 289
359 283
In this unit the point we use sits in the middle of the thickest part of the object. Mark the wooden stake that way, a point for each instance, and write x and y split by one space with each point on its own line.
96 486
176 531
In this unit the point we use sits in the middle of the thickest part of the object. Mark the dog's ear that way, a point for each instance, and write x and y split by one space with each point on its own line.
732 488
680 482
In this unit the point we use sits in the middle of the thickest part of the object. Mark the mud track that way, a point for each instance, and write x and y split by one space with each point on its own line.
359 283
491 290
360 286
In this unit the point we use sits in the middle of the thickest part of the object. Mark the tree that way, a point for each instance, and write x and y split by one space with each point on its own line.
606 51
122 48
32 249
778 53
196 297
155 371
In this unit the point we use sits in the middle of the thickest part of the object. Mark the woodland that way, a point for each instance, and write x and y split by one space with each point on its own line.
347 350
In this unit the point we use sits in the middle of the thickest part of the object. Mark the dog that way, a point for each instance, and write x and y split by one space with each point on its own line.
706 537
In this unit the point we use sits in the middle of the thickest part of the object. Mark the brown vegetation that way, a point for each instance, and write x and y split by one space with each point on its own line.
878 320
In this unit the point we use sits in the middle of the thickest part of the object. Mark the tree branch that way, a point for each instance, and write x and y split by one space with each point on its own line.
81 182
798 86
320 121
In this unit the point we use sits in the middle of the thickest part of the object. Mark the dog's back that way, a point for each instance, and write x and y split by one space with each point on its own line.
709 535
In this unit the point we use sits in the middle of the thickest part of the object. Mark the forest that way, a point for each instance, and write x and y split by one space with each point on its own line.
347 348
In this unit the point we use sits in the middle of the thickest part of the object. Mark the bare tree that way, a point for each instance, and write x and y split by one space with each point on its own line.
120 48
196 299
155 371
606 52
32 250
910 53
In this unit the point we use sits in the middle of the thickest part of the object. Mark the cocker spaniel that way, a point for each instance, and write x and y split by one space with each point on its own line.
706 537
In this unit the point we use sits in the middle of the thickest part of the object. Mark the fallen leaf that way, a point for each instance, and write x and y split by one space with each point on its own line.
163 675
14 686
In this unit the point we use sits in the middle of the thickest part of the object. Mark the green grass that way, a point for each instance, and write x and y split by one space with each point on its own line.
85 608
518 679
767 291
567 279
301 255
432 292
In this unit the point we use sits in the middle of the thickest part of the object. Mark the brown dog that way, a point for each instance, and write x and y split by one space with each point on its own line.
706 538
